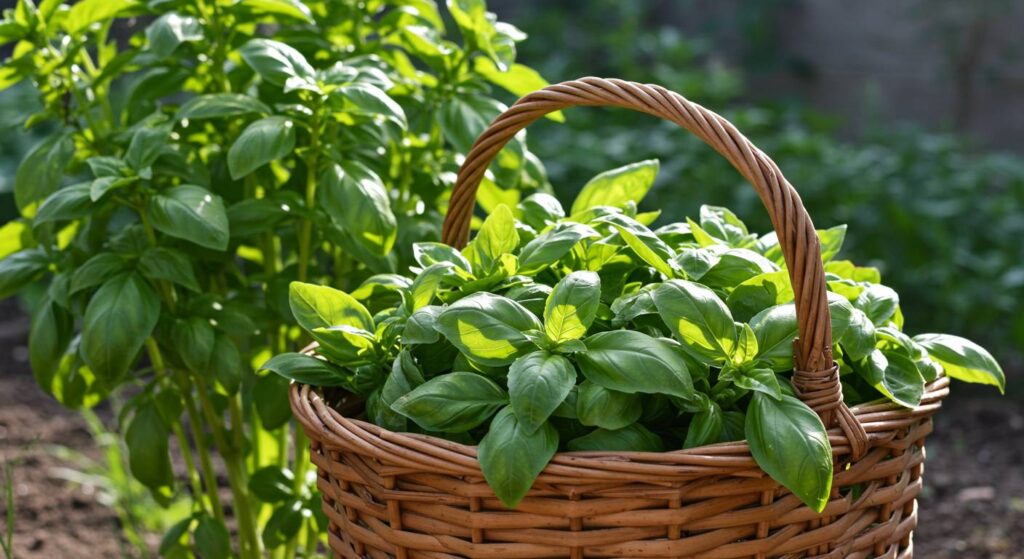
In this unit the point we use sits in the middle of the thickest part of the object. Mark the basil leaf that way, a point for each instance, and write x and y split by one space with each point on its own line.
878 302
735 267
421 328
572 306
759 380
405 376
631 362
497 236
511 457
858 340
212 539
617 187
831 241
893 374
549 247
963 359
162 263
39 173
96 271
598 406
219 105
789 442
369 100
428 254
537 384
307 370
633 438
70 202
357 201
191 213
645 252
21 268
119 318
276 62
488 328
705 427
759 293
452 403
261 142
193 340
146 439
317 306
722 223
541 210
697 318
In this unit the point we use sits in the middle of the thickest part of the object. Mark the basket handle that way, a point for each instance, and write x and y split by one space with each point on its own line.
816 376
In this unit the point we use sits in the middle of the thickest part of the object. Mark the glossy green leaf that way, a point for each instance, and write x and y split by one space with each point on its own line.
87 12
488 328
452 403
617 187
119 318
878 302
70 202
791 445
537 383
551 246
963 359
705 427
272 484
40 172
212 539
162 263
307 370
598 406
511 457
219 105
895 375
146 438
263 141
632 438
356 199
697 318
191 213
21 268
170 30
496 237
572 306
276 62
369 100
630 361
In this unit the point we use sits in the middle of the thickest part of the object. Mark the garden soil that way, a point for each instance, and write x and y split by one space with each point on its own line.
972 506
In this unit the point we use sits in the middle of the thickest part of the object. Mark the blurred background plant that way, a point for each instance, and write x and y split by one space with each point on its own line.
926 200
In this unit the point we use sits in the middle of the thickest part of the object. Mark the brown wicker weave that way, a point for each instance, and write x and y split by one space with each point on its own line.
406 495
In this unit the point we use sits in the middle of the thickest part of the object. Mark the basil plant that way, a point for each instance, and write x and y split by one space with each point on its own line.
198 157
588 330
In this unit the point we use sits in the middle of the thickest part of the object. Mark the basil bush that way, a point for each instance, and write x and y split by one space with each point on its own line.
593 331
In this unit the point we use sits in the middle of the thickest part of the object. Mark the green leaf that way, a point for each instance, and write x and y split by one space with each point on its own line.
318 306
288 8
878 302
21 268
697 318
963 359
40 172
270 398
631 362
193 339
119 318
550 246
48 340
405 376
496 237
759 293
598 406
452 403
537 384
789 442
759 380
218 105
356 199
617 187
369 100
307 370
488 328
645 252
276 62
705 427
858 340
775 328
746 349
721 223
511 457
170 30
893 374
421 328
70 202
518 80
191 213
226 364
87 12
96 271
831 241
464 117
212 539
148 457
272 484
283 525
261 142
632 438
572 306
146 145
161 263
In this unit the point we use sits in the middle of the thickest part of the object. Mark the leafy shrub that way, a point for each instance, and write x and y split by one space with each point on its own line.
594 332
200 161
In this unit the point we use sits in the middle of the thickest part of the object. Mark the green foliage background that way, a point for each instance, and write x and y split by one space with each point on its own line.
941 219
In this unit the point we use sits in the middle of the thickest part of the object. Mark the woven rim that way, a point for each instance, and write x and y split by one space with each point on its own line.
410 452
815 376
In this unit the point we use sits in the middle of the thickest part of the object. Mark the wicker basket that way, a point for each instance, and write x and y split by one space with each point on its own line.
406 495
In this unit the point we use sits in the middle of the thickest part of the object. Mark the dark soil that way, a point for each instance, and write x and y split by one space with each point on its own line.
972 506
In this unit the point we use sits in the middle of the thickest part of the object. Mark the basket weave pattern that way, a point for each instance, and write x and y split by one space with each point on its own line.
406 495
